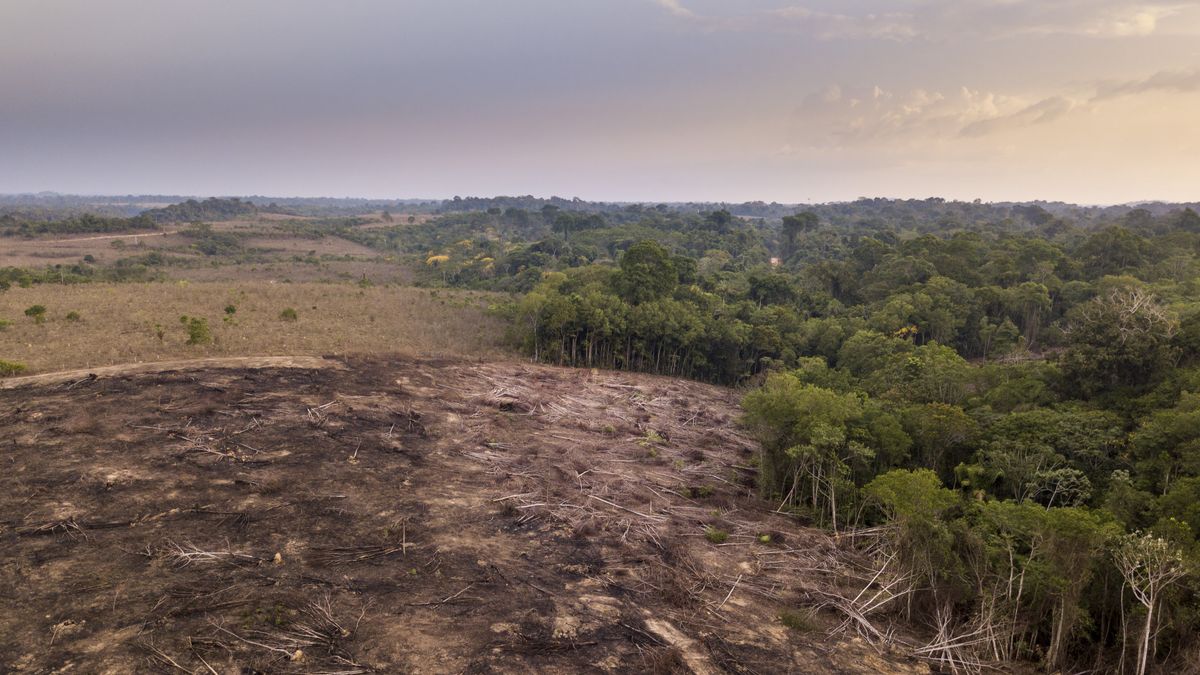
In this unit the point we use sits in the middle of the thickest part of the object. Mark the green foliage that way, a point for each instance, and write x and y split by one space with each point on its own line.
801 622
213 243
647 273
289 314
193 211
86 223
1119 341
715 535
911 496
73 317
10 368
1166 446
37 313
812 442
197 330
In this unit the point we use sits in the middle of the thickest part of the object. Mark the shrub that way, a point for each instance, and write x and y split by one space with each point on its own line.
230 310
715 535
37 313
74 317
10 368
197 330
4 324
289 314
797 621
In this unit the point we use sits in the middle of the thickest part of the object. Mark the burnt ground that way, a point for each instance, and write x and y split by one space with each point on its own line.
400 516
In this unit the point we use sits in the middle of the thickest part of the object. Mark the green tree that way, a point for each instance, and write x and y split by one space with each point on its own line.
1118 340
810 442
647 273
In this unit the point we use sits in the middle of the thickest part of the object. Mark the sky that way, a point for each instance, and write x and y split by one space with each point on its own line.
1087 101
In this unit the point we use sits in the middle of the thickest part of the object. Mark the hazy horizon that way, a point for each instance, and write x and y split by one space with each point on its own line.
1081 101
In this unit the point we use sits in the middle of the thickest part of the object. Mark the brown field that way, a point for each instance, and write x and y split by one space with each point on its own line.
263 233
404 516
374 270
37 253
119 322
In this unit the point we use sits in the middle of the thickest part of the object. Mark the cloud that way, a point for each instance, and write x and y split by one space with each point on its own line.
831 26
904 20
1090 18
875 117
1041 112
1178 81
676 8
842 117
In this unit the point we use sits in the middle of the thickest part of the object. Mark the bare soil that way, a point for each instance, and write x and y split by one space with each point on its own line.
399 515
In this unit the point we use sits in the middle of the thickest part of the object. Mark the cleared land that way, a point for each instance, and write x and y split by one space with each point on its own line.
271 240
402 516
120 323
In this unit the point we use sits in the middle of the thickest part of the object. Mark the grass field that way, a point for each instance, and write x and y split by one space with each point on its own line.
120 323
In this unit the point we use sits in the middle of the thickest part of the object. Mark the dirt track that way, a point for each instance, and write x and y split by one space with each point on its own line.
397 516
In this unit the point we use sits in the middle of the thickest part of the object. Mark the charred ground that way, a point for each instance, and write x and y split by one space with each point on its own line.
401 516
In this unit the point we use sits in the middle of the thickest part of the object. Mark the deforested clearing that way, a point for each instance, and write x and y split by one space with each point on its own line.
406 515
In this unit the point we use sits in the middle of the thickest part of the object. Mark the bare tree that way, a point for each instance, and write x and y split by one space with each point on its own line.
1150 565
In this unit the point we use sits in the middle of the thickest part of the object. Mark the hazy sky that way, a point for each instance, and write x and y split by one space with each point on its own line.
1092 101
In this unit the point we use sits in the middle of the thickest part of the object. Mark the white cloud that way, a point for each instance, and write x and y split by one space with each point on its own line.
877 116
959 19
830 26
1178 81
676 8
1041 112
844 117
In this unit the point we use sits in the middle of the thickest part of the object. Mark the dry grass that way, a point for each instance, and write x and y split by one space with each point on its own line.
119 322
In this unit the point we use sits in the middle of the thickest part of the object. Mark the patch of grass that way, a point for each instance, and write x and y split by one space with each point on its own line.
288 314
10 368
801 622
4 324
133 313
652 437
74 317
37 313
715 535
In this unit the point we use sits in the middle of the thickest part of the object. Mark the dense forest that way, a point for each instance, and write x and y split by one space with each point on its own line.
1001 402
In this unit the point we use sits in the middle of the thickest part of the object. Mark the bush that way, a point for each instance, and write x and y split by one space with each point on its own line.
715 535
4 324
197 330
10 368
289 314
37 313
74 317
230 310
